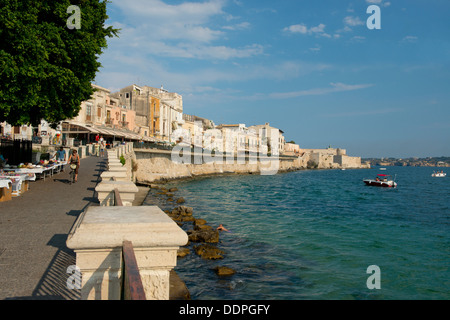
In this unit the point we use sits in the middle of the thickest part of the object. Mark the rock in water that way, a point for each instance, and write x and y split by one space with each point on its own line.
206 235
209 252
182 252
224 271
199 222
202 227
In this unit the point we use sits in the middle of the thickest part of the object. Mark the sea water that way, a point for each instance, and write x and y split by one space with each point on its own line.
313 234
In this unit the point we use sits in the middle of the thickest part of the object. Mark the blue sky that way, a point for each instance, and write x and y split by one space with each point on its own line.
310 68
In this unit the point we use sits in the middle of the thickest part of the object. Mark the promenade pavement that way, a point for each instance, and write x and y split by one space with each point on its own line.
33 231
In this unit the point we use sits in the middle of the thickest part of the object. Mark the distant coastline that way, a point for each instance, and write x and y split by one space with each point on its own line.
409 162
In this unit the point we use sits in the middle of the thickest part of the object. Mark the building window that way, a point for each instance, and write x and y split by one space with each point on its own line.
88 109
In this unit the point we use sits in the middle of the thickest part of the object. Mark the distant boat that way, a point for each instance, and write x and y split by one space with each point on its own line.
439 174
382 180
382 168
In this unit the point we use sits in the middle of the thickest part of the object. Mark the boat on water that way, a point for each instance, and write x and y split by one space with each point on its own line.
382 180
439 174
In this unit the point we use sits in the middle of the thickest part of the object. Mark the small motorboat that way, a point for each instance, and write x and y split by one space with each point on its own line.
382 180
439 174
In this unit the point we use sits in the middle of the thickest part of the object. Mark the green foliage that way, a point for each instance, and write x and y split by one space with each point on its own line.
122 160
46 69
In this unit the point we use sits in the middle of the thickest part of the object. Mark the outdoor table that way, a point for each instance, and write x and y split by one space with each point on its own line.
4 183
5 189
59 166
16 182
41 171
19 181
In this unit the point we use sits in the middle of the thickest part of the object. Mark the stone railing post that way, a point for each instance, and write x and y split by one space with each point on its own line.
117 175
97 239
126 188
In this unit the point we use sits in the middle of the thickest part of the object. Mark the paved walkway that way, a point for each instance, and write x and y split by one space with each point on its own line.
33 232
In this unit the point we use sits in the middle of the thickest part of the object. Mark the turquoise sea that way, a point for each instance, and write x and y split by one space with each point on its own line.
312 234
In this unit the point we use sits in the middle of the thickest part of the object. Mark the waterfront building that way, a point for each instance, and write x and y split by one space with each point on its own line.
159 111
233 136
239 139
201 131
101 115
271 137
332 158
134 98
291 149
194 131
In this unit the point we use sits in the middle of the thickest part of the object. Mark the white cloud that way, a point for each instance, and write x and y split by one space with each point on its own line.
379 2
303 29
353 21
297 28
185 30
358 39
410 39
239 26
334 87
186 21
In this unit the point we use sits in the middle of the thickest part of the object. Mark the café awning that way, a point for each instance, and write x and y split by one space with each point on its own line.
68 127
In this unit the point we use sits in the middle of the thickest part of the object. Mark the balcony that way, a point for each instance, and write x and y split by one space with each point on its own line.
156 114
109 122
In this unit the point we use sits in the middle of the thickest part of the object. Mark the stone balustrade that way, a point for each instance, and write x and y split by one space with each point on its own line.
114 161
97 238
117 175
105 192
114 166
98 235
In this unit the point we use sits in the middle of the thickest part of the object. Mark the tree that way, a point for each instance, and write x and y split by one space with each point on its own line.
46 69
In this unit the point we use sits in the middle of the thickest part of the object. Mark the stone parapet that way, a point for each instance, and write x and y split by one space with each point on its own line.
117 175
105 192
114 166
97 238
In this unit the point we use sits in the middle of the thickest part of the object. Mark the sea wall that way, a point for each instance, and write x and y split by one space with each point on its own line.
153 165
158 165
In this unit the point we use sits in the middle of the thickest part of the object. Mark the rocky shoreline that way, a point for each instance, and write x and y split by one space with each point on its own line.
204 239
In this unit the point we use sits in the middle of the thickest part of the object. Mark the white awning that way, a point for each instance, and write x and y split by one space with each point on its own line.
70 127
